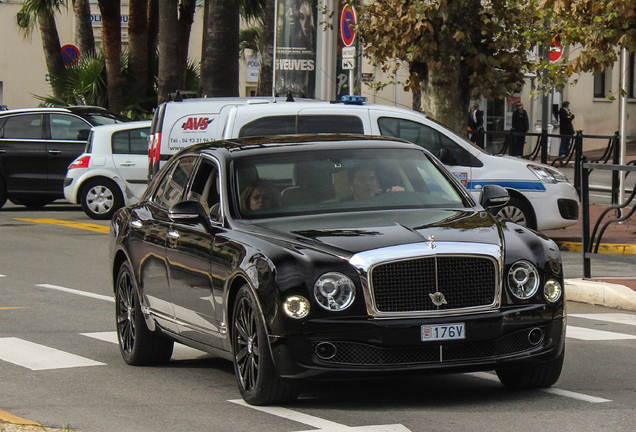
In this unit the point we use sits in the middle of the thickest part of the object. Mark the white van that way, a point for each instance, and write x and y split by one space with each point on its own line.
541 196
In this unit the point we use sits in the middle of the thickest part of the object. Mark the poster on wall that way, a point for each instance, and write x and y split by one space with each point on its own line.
296 48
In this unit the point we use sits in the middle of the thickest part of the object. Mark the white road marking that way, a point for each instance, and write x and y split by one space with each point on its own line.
552 390
39 357
617 318
321 424
181 352
595 335
77 292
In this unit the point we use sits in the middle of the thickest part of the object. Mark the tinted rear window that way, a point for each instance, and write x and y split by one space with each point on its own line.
131 142
27 126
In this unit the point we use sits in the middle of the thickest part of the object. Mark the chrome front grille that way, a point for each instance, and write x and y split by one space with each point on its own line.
406 285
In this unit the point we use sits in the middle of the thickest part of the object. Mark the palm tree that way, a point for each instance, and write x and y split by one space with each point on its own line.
43 11
168 49
219 56
138 47
85 36
186 18
111 17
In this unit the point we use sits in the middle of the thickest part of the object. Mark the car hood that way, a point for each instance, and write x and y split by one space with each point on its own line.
356 232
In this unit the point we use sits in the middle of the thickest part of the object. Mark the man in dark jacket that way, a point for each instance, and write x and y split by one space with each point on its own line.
475 121
566 128
520 123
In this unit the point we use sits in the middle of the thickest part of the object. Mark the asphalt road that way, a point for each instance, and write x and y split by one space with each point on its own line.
59 364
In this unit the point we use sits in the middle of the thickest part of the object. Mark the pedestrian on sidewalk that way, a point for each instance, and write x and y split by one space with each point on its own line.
566 128
520 123
476 122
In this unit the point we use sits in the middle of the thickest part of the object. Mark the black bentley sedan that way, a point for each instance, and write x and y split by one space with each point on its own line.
326 256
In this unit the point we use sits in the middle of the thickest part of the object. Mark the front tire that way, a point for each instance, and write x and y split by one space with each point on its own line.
137 344
532 376
257 379
101 198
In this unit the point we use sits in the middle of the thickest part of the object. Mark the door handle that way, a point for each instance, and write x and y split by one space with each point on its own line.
137 224
127 164
173 234
55 152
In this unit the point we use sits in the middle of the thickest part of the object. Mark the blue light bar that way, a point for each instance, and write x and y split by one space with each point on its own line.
353 99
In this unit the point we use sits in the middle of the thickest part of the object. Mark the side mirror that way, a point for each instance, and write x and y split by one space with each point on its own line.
187 212
493 196
82 134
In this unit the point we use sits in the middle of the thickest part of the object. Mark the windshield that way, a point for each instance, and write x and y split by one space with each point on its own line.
310 182
98 119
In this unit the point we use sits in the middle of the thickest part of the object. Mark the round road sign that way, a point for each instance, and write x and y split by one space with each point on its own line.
70 55
347 25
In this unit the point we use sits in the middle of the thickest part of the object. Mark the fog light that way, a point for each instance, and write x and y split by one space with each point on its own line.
326 350
296 307
552 290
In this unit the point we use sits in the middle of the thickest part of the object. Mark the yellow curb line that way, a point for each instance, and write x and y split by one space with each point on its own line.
78 225
626 249
13 307
8 417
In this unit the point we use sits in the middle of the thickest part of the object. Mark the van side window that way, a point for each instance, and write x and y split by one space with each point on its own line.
428 138
330 124
273 125
306 124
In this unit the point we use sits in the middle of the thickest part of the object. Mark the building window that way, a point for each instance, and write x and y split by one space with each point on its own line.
603 83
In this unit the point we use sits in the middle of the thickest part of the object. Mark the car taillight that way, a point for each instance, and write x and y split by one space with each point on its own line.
80 162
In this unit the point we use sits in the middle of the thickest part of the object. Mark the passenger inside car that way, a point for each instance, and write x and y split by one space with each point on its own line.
260 195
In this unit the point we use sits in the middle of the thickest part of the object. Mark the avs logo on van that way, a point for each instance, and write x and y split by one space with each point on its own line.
196 123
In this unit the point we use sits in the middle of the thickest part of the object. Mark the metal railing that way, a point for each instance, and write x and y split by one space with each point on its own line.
622 212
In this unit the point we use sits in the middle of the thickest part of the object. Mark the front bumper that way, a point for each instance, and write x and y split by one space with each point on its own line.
494 340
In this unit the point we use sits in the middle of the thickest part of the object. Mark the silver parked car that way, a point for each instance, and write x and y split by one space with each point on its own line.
112 171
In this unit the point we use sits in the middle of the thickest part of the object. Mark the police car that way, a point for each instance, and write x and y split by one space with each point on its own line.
540 196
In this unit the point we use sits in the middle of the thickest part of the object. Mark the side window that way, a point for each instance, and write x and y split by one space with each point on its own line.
173 184
23 127
428 138
66 127
330 124
130 142
205 187
274 125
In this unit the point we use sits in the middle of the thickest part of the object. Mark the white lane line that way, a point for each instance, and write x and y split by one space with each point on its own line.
39 357
582 333
551 390
321 424
616 318
77 292
181 352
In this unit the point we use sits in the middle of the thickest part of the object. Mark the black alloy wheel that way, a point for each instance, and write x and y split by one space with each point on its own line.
137 344
258 381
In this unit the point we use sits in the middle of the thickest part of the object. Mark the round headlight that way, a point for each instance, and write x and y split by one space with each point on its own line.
523 280
552 290
296 307
334 291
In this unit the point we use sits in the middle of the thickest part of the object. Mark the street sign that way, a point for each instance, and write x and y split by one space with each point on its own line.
347 25
348 63
348 52
556 51
70 55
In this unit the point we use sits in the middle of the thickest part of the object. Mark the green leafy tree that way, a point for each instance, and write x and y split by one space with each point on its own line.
454 50
598 26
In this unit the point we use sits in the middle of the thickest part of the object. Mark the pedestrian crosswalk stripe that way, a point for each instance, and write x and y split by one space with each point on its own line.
616 318
181 352
39 357
595 335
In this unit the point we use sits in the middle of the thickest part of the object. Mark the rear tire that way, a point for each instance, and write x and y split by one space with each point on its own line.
101 198
3 193
137 344
256 375
532 376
